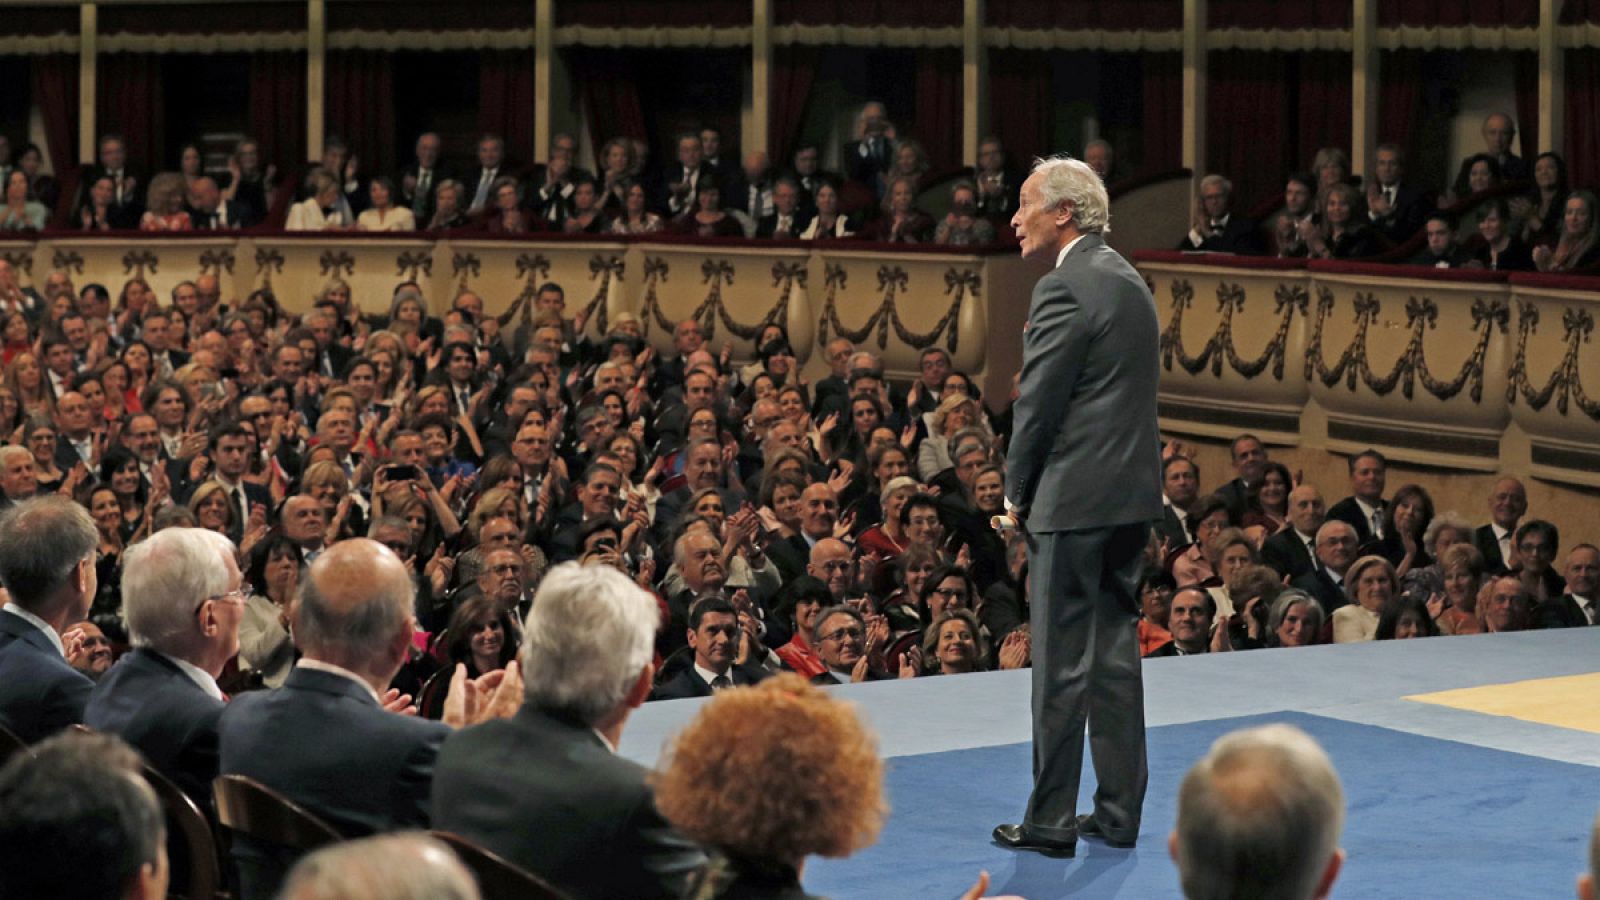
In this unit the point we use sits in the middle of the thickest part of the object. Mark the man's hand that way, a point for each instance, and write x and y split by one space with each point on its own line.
496 695
396 702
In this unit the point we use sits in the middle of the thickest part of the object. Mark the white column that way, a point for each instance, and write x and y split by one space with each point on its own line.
1194 86
544 21
759 98
316 75
1363 85
88 41
1552 82
974 81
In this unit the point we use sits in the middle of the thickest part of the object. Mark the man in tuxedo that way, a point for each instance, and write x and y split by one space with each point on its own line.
995 182
1363 509
1292 551
491 163
1193 611
1336 550
1395 207
1084 475
786 221
711 154
47 563
208 210
418 180
1441 251
1217 229
183 598
127 191
1498 133
714 639
1180 487
681 181
1508 503
1579 606
807 172
546 789
1249 463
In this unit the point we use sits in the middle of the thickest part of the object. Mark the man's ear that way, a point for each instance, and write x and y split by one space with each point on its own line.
640 691
1330 874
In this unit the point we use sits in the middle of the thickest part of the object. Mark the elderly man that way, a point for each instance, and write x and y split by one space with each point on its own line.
79 822
1395 207
95 659
1259 816
183 598
831 563
840 636
714 639
47 563
387 867
1508 503
207 208
819 512
1193 612
1335 551
301 519
546 789
697 555
17 478
504 580
1217 229
368 770
1498 132
1579 606
1292 551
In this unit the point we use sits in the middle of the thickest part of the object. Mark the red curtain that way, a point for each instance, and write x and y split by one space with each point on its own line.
1247 116
505 100
129 103
938 107
1163 112
1527 84
277 108
1399 98
55 89
360 105
1020 110
610 94
1323 115
1583 124
794 69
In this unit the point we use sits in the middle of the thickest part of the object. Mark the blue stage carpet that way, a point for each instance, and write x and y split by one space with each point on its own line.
1425 818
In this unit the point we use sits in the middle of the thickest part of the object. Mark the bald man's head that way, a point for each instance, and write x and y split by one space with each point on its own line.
355 609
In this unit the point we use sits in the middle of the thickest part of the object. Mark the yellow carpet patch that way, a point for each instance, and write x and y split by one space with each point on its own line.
1572 701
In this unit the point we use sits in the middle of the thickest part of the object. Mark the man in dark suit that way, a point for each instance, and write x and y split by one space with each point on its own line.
1180 487
419 179
47 562
714 638
17 475
1217 229
808 173
75 442
183 599
681 180
1336 550
1508 502
1084 475
230 457
1441 251
546 789
786 220
1498 132
1249 464
1292 551
208 210
332 356
127 191
1579 606
1364 508
479 185
869 156
1396 208
328 739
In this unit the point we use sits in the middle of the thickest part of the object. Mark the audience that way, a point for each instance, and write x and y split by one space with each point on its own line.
404 866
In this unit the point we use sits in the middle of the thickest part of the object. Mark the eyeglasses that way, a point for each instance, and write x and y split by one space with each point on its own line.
235 598
506 569
844 634
950 593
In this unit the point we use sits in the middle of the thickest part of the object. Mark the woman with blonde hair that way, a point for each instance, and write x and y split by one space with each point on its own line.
321 211
164 204
25 378
717 786
1371 585
211 508
954 412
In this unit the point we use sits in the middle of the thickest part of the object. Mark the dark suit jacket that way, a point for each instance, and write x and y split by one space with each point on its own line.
1319 584
546 793
66 457
408 199
769 224
40 693
1562 612
1286 553
149 702
1347 510
1170 529
1240 236
1407 216
864 164
1483 539
688 683
1237 495
1088 397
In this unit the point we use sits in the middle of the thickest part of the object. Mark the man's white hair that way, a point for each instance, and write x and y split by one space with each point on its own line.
164 578
1259 816
1067 180
590 633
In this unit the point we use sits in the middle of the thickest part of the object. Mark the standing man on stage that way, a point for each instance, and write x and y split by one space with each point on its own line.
1084 477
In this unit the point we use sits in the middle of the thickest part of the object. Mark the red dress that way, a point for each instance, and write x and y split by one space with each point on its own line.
800 658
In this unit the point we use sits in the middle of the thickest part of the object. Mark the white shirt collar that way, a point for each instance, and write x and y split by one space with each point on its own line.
605 740
1500 534
42 625
317 665
1067 249
711 676
1367 509
196 674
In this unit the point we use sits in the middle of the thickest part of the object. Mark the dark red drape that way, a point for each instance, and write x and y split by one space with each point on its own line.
794 69
505 99
609 93
1399 98
1163 112
1247 122
1020 109
55 89
938 106
360 105
277 108
1582 124
1527 84
1323 97
129 102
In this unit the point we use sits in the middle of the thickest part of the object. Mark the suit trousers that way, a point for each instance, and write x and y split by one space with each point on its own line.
1086 672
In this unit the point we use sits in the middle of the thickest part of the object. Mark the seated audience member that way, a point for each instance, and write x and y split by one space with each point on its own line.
1295 621
183 597
1343 233
1099 155
1299 217
1259 816
1190 621
1498 132
1577 249
1370 585
1395 207
1443 532
1250 460
586 216
1292 551
47 563
708 218
1404 619
20 212
963 226
1364 510
408 866
1537 217
1578 606
1335 551
164 205
1503 249
997 185
566 807
1508 503
1180 489
1478 174
719 786
447 202
1463 571
1216 228
265 644
796 608
1504 604
323 210
1266 502
840 636
483 636
827 221
96 658
634 217
385 214
1538 545
1405 526
208 209
900 222
1441 251
79 822
370 770
1155 609
787 220
714 642
1330 167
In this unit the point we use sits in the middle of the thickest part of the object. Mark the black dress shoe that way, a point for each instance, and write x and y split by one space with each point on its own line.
1089 828
1017 838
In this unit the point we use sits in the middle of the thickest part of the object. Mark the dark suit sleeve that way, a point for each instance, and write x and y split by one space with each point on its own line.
414 782
63 704
1055 342
666 858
